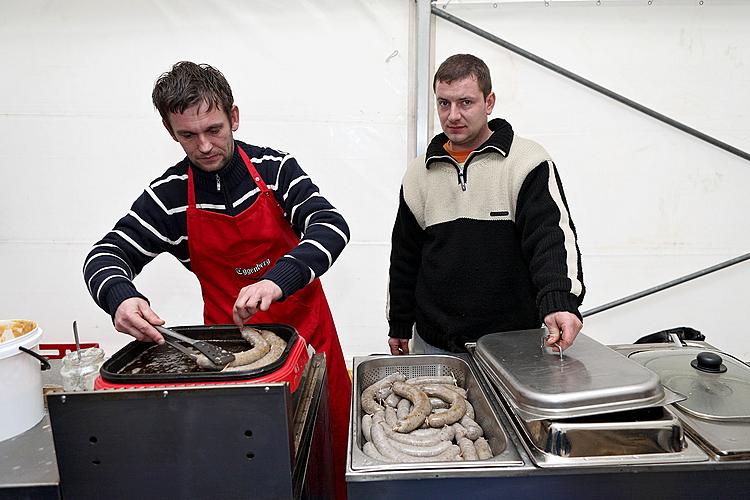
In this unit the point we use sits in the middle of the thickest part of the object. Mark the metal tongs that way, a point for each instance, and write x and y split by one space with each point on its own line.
556 344
215 354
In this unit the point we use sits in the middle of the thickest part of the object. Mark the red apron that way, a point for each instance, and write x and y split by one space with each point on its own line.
228 253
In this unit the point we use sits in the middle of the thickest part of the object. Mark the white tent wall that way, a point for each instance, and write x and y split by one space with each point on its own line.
329 82
650 203
81 139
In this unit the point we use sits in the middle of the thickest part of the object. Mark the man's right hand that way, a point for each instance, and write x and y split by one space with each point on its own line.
135 317
398 346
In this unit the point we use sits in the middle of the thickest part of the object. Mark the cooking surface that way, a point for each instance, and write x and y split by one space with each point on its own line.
142 362
590 378
166 359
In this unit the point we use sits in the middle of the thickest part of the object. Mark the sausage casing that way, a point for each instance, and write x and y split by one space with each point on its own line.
421 408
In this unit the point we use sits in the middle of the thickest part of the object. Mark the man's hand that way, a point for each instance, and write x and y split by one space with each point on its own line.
254 298
135 317
563 328
398 346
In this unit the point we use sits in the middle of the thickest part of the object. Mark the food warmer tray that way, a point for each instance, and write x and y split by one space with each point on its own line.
368 370
553 403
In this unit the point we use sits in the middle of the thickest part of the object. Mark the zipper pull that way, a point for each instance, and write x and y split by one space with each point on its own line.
462 179
218 183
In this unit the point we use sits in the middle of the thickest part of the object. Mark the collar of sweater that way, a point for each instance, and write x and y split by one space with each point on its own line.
499 142
230 175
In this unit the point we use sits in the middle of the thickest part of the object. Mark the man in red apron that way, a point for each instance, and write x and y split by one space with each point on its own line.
245 220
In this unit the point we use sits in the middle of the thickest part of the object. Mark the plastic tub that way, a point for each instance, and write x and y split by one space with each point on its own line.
20 378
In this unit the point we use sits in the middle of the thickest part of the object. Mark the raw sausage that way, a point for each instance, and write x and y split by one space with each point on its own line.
387 449
421 408
368 402
460 430
392 400
441 379
453 414
372 452
390 417
468 450
470 410
483 448
366 426
473 429
403 408
411 438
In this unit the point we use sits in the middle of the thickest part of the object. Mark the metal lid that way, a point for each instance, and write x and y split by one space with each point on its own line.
717 386
590 378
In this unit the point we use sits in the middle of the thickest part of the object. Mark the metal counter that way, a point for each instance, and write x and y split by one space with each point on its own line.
28 468
709 478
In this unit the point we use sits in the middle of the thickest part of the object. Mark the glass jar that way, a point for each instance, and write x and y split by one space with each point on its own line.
79 374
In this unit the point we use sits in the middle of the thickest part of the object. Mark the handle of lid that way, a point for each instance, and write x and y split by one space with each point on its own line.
708 362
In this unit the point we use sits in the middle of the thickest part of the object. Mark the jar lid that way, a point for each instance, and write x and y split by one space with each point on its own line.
717 386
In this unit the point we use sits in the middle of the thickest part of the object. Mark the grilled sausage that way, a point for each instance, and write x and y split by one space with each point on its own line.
453 414
277 346
368 402
260 348
420 411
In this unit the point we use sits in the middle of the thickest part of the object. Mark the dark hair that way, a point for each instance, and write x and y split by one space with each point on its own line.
460 66
187 84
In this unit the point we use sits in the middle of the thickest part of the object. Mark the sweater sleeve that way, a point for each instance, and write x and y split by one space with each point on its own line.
135 240
322 229
406 254
549 242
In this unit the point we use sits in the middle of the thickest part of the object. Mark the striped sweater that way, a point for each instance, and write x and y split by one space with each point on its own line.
484 246
157 222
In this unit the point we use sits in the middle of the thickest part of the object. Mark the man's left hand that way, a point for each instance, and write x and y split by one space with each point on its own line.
563 328
254 298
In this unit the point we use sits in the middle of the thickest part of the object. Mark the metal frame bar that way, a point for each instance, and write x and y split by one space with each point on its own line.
664 286
423 68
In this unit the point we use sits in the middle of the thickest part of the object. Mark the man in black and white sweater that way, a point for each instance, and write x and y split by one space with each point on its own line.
483 240
246 220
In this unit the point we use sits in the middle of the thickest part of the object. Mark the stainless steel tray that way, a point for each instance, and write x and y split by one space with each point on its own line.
650 430
723 439
368 370
589 379
581 442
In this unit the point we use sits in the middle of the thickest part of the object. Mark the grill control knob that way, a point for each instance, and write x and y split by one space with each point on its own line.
709 362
